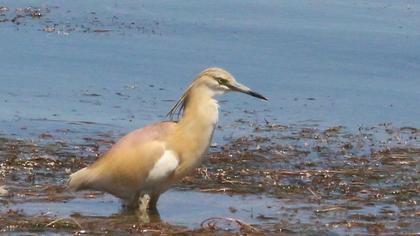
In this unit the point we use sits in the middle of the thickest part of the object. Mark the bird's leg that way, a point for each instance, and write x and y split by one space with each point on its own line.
144 201
153 202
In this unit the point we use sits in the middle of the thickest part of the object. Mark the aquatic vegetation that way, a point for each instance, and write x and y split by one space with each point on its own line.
324 179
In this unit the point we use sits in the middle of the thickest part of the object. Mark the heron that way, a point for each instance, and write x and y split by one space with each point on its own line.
148 161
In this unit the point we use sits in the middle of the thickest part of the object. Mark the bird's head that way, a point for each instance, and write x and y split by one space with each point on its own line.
211 82
220 81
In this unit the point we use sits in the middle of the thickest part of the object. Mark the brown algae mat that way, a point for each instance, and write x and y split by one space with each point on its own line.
320 180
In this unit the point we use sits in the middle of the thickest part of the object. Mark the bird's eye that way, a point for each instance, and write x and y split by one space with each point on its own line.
221 80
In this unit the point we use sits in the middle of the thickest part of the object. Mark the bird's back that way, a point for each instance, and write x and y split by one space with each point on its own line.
121 170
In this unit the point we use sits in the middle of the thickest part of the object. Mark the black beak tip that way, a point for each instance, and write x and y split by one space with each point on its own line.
257 95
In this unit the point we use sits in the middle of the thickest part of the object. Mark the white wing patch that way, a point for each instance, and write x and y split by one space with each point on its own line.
167 163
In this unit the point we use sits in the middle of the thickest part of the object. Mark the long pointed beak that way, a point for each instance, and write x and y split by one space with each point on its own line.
244 89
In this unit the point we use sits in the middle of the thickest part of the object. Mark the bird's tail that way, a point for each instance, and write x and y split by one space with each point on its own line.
79 180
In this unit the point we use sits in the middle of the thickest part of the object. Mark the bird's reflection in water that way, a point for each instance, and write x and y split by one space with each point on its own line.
138 216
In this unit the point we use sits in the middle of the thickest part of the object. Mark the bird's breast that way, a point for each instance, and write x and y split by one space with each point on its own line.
194 133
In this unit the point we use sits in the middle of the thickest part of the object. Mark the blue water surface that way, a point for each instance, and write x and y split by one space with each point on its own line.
351 63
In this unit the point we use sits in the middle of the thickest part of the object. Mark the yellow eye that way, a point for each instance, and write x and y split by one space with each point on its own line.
221 81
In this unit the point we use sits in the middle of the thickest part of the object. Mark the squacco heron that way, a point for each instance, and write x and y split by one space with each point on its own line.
146 162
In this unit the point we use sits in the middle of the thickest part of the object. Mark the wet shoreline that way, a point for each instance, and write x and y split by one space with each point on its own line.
329 180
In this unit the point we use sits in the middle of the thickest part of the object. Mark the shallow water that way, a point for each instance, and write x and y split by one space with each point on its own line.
177 207
345 63
342 78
